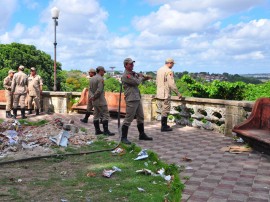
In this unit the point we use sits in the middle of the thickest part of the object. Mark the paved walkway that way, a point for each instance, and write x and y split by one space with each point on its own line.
212 175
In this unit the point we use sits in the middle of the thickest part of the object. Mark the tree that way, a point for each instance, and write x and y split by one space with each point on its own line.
15 54
73 80
112 85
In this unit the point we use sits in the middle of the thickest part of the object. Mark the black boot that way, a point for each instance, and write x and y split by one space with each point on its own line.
8 114
85 119
23 113
124 135
97 128
37 111
164 126
106 128
14 113
30 111
143 136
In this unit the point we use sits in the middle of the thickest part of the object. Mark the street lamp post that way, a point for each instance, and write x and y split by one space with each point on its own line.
55 14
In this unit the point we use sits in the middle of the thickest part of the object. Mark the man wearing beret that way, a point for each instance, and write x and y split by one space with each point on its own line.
165 84
7 85
97 96
89 108
35 84
19 90
131 80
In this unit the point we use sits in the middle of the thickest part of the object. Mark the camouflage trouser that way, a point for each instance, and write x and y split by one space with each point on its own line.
9 99
164 106
101 112
19 98
133 108
36 100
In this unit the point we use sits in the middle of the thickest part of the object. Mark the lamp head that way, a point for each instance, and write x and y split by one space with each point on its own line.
55 13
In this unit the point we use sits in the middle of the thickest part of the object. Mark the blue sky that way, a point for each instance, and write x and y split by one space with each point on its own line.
213 36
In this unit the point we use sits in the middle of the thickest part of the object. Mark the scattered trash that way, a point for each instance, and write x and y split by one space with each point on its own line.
146 164
63 172
238 139
12 135
146 172
189 168
142 155
116 169
154 182
37 140
19 180
61 139
186 159
89 142
30 145
91 174
118 150
110 190
161 172
236 149
64 200
108 173
141 189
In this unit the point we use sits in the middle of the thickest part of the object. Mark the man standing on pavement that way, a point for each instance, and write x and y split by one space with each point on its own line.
97 96
19 91
8 95
131 80
165 84
89 108
34 91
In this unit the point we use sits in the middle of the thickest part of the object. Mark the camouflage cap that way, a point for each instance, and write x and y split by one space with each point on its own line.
33 68
169 60
21 67
101 68
11 71
128 61
92 70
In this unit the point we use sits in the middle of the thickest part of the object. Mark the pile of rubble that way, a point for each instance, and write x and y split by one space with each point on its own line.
22 140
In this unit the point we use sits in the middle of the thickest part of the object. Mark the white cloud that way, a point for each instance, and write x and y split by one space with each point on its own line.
256 55
186 30
7 8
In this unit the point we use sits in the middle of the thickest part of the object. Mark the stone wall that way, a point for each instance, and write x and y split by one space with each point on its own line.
210 114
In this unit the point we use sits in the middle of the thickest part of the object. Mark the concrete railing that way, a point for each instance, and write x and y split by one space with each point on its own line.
210 114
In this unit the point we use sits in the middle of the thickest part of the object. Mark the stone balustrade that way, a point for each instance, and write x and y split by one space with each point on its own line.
210 114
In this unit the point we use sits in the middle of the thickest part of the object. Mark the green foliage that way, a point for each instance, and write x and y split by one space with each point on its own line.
15 54
111 85
74 81
148 87
254 92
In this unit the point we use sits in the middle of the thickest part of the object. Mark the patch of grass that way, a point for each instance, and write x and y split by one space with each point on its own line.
83 129
186 177
33 123
54 179
1 120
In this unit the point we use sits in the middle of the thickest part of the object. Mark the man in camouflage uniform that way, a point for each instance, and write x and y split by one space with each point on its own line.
19 91
165 84
97 96
8 95
89 108
131 81
34 90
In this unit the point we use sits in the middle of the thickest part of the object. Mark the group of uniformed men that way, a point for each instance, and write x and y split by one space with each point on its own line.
130 80
19 85
21 89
